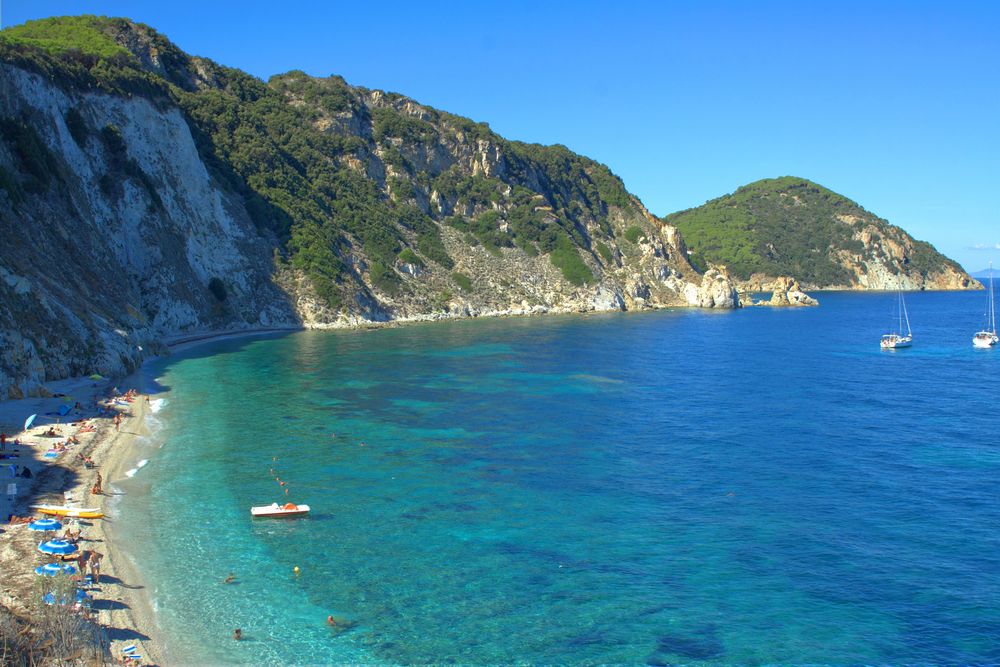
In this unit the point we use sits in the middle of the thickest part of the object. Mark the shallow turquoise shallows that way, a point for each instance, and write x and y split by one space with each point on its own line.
759 486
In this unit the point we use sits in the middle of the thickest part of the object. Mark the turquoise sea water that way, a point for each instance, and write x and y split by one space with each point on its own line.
757 486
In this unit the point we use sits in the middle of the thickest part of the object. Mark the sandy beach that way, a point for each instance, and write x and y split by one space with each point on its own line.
118 603
122 605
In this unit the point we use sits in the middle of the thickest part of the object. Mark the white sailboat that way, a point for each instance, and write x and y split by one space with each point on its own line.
896 340
988 336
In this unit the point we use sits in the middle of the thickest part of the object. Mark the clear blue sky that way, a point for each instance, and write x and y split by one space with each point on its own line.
893 104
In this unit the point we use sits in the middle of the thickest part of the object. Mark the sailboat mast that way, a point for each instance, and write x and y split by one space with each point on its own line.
993 312
905 314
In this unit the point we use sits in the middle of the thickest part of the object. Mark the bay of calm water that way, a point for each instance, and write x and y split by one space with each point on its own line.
757 486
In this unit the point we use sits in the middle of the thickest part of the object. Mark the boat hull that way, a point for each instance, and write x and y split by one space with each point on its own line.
276 511
896 342
984 339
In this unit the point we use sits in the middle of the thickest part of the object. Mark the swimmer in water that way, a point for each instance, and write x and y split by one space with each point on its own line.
237 634
230 579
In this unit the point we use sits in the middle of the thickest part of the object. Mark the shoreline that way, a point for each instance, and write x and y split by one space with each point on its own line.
124 602
135 594
119 604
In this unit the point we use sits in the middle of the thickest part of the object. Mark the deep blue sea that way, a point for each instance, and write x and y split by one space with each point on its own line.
757 486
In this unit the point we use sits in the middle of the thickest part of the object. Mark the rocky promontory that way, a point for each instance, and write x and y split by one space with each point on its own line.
792 227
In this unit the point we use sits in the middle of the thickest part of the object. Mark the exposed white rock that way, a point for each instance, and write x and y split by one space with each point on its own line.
716 291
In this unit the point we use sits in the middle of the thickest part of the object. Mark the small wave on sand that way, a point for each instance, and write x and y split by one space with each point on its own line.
131 472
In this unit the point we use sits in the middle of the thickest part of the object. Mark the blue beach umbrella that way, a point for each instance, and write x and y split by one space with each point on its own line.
57 547
29 421
54 569
44 524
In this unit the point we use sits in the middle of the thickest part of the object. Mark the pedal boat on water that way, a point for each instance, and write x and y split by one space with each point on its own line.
274 510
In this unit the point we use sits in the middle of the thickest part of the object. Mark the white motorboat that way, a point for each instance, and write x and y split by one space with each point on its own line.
274 510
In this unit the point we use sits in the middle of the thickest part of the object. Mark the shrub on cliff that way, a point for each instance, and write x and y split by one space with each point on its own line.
218 289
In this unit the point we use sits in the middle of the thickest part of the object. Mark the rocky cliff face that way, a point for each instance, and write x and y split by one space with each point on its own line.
146 194
108 246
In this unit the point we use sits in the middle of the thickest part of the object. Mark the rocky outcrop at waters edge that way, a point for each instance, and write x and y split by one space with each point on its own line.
785 291
125 221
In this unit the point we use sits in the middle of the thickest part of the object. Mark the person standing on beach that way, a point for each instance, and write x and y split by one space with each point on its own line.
95 566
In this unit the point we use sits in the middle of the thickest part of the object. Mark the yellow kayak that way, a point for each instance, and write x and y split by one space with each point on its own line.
72 512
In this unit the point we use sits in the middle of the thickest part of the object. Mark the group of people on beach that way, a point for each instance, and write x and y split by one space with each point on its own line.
92 560
113 406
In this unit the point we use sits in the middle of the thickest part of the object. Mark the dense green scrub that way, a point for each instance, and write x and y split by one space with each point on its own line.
325 167
788 226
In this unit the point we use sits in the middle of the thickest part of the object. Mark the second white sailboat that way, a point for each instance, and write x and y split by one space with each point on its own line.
894 341
988 336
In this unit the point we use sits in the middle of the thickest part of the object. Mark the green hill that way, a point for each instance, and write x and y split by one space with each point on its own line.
332 168
790 226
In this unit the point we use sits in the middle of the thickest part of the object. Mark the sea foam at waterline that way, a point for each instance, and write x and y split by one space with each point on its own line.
131 472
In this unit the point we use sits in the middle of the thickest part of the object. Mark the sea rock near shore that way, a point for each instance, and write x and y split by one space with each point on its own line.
786 292
717 290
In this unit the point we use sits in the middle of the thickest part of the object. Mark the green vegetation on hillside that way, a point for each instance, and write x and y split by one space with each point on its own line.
290 148
784 226
83 35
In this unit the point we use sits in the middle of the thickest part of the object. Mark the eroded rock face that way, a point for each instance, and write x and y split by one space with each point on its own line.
97 264
717 290
786 292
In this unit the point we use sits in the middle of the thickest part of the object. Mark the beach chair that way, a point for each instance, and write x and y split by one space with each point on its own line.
130 655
